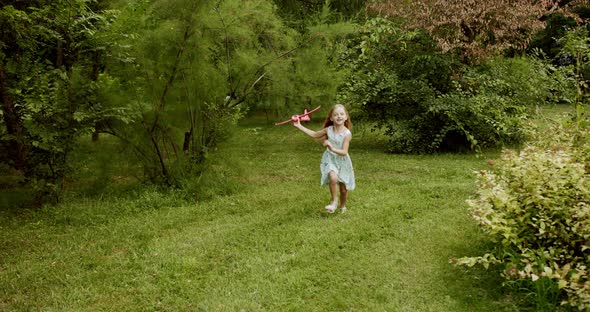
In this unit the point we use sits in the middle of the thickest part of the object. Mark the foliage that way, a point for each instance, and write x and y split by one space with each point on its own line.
534 207
48 56
300 14
168 78
478 29
189 76
576 48
401 81
379 55
310 76
546 39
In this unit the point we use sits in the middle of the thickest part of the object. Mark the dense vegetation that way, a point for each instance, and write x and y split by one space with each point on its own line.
168 78
534 206
161 84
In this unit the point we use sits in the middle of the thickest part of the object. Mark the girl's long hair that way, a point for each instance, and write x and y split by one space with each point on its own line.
328 122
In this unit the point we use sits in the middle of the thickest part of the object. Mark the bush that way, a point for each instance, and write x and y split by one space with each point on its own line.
427 101
534 205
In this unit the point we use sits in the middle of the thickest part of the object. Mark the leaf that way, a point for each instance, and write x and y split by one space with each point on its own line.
548 271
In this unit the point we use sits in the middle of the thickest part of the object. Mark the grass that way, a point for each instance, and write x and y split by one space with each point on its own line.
265 246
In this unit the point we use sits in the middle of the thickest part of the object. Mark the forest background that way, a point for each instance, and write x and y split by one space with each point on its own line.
107 101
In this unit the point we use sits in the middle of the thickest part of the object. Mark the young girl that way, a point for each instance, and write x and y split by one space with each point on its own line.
336 166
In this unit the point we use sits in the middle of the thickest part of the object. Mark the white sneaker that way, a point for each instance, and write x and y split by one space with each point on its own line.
331 208
343 210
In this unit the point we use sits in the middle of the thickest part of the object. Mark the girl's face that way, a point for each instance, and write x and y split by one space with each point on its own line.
339 116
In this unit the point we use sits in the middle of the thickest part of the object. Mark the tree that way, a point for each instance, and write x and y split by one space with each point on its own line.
193 67
576 49
427 101
477 29
46 89
300 12
546 40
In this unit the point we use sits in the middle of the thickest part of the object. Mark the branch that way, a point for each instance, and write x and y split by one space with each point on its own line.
227 55
170 81
260 71
246 93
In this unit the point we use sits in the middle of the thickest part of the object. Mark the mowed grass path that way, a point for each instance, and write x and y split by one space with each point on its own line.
268 246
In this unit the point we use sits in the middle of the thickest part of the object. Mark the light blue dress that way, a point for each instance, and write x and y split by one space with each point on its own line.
331 161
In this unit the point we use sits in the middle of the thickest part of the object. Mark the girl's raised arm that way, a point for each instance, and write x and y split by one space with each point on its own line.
314 134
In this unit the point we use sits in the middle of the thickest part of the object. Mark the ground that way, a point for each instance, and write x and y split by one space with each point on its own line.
264 244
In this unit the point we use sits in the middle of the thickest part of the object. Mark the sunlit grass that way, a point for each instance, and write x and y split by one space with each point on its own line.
267 245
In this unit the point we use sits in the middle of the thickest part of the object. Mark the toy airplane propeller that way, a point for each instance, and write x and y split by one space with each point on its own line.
303 117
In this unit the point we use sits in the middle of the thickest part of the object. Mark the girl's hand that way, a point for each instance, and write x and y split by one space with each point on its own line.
297 123
327 144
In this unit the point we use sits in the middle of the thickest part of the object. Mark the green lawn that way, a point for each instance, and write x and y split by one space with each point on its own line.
268 245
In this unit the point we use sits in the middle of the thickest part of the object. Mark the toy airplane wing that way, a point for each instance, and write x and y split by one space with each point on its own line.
303 117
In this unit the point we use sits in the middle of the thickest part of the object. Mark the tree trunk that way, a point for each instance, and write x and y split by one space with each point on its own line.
94 74
95 135
188 136
17 150
163 167
158 111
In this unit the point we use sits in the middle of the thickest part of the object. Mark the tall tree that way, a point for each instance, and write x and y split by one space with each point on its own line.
195 65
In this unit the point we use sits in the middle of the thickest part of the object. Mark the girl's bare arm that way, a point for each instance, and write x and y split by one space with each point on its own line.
314 134
340 151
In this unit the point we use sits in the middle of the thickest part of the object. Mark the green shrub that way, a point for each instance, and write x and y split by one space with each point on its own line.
534 205
427 101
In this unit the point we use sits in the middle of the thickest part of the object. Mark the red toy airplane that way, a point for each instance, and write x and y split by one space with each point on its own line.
302 117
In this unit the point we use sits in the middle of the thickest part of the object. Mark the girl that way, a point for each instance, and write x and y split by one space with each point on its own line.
336 166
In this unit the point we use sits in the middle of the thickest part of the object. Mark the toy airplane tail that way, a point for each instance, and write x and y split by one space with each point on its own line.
303 117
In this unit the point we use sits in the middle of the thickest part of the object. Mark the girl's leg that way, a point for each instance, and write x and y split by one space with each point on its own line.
333 191
343 195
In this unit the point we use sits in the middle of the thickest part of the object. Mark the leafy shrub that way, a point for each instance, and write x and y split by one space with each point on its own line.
476 120
534 205
427 101
575 60
545 40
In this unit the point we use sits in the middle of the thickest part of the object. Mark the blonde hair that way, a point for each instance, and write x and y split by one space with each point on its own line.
328 122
